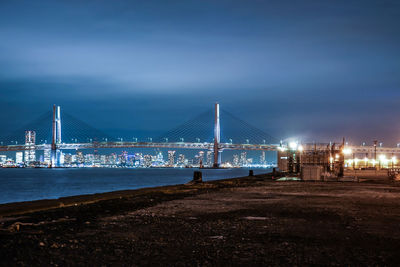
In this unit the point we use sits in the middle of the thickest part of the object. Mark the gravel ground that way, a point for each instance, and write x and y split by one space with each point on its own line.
248 221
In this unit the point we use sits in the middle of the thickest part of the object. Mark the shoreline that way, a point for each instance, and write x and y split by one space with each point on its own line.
22 207
244 221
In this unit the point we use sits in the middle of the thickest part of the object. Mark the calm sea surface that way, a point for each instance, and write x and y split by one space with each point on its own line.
32 184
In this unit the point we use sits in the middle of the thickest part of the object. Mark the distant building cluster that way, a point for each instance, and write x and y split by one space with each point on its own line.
125 159
203 159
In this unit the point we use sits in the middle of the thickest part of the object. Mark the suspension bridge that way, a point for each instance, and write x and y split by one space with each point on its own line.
203 132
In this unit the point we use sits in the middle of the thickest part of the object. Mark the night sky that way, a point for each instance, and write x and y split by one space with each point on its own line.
312 70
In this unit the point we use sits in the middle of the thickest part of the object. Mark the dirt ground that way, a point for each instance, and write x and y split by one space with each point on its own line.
244 222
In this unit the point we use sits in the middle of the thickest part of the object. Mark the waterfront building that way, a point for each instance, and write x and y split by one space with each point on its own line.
200 158
80 159
61 157
171 158
103 160
235 162
147 159
19 158
181 160
243 158
30 140
3 159
159 159
89 159
123 158
47 156
209 158
68 159
113 159
138 159
262 158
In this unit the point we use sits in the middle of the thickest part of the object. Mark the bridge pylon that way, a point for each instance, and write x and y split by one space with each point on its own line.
217 138
56 137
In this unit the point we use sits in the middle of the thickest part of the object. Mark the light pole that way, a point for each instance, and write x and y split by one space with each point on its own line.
375 143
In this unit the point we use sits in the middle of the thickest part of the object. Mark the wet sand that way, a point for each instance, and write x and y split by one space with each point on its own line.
246 221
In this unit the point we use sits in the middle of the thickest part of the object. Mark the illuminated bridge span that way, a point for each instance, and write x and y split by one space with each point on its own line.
173 139
247 137
179 145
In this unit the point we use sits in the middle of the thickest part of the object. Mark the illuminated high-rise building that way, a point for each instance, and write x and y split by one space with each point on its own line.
171 158
200 158
89 159
61 157
103 159
68 159
80 159
243 158
19 158
262 158
113 158
209 158
235 160
3 159
181 160
30 140
47 156
160 158
139 160
147 159
123 158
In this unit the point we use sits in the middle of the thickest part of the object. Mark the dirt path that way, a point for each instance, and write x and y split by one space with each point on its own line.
251 221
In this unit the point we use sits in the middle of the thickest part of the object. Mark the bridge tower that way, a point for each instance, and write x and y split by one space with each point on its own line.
217 137
56 137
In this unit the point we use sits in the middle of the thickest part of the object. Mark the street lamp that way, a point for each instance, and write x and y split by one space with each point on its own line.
347 151
293 145
382 158
394 161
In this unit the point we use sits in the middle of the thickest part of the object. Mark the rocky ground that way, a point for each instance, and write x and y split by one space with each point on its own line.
248 221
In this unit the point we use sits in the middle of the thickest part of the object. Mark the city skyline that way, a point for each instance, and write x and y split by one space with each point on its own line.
125 159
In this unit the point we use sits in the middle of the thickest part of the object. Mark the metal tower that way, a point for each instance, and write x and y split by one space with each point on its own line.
56 137
217 137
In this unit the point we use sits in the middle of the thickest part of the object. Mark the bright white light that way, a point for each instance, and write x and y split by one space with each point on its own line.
382 157
300 148
347 151
394 159
293 145
281 148
337 156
